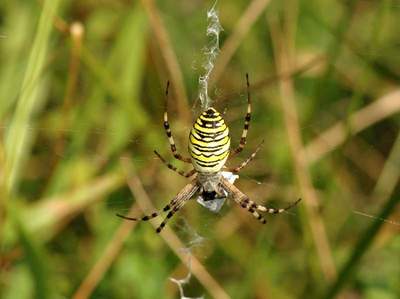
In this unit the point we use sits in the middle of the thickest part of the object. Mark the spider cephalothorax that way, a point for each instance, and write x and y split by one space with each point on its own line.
209 148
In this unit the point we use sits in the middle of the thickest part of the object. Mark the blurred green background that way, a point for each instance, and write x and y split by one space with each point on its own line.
81 103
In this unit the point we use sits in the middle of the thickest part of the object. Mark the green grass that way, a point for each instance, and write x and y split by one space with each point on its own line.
75 111
31 94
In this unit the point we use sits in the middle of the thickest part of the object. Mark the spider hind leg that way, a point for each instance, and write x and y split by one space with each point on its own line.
169 215
146 217
173 206
245 202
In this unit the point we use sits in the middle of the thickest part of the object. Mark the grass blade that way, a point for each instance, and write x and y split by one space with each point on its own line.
17 139
384 187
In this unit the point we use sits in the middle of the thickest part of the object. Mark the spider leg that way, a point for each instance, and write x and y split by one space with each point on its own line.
145 218
172 167
173 206
150 216
242 165
169 133
169 215
186 194
243 200
246 121
278 211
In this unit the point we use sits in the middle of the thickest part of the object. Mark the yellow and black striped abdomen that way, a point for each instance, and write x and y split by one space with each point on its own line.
209 142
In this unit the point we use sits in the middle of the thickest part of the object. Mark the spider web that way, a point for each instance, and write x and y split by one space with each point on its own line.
195 239
186 280
210 52
192 240
386 220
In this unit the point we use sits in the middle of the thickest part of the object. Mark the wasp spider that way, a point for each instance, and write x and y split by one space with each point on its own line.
209 148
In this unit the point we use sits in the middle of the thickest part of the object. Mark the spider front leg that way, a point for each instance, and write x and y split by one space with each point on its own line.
172 167
244 164
246 121
169 133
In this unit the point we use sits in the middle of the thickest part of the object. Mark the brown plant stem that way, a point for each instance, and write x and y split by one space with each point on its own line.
283 61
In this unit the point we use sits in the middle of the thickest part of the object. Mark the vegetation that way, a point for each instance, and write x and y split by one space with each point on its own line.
81 103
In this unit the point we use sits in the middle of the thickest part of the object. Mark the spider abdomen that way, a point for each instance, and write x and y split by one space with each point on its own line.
209 142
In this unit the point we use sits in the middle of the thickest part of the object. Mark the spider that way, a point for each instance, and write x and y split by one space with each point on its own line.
209 148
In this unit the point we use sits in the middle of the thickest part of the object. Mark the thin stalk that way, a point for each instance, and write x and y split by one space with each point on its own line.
383 190
18 137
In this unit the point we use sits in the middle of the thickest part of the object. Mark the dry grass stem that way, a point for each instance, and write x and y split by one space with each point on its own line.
58 209
283 62
259 85
176 245
365 156
337 134
170 58
77 33
390 173
253 11
383 192
107 258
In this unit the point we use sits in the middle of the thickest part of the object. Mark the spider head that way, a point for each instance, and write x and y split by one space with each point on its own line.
210 112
